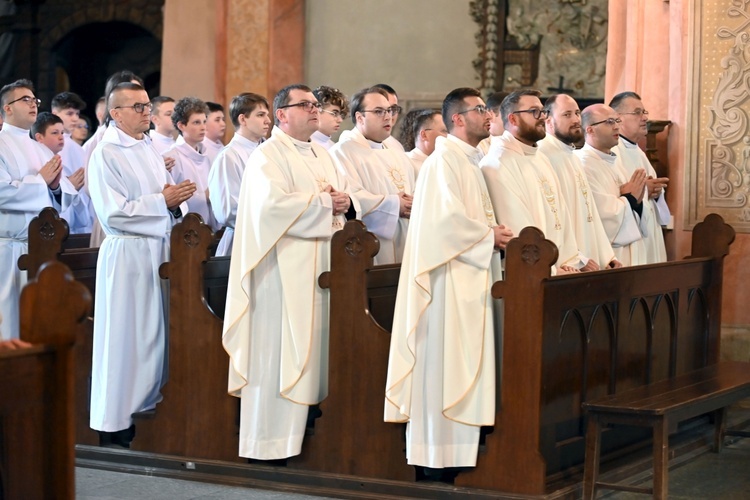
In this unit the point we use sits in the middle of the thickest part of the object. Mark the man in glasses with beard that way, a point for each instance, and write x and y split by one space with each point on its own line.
523 186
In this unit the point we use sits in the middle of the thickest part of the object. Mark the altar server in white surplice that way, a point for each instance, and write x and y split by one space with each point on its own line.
31 178
441 368
292 200
419 129
632 130
563 131
251 119
164 131
618 195
363 157
335 110
216 126
68 106
523 186
137 203
189 154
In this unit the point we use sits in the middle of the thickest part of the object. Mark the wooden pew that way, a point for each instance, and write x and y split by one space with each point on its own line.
49 240
36 390
351 437
570 339
197 418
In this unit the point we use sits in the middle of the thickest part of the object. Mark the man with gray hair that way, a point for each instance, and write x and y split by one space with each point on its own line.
633 129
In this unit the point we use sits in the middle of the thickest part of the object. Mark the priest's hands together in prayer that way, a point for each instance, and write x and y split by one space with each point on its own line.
174 194
341 201
77 178
656 185
636 185
52 171
405 201
502 236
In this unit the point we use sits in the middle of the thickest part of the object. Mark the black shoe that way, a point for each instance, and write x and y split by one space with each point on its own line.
117 439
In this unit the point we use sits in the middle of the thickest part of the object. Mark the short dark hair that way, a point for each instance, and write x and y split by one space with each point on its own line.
244 104
115 79
213 107
550 103
413 123
454 101
282 97
44 120
387 88
7 89
358 99
495 100
511 101
119 88
185 108
158 101
68 100
334 97
617 100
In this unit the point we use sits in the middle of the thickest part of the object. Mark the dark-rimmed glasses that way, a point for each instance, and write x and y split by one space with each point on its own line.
478 108
609 121
535 112
138 107
305 105
28 100
380 112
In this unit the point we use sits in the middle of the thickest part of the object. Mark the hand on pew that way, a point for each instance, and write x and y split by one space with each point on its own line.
614 264
77 178
51 172
174 194
502 236
13 344
591 265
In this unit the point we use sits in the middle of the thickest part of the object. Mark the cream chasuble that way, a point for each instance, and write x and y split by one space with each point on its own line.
224 182
624 227
525 192
633 158
276 321
441 369
591 238
382 172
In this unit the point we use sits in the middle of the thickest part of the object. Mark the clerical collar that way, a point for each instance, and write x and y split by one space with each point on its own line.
305 148
375 145
472 153
608 157
632 143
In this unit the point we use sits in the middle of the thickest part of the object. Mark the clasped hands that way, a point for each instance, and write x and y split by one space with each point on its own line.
638 183
341 200
175 194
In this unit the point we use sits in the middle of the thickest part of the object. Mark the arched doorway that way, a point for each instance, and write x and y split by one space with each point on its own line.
85 57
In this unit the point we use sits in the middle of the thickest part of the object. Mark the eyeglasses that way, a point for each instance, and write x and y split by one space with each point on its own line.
306 105
138 107
380 112
396 109
31 101
638 112
336 114
478 108
609 121
535 112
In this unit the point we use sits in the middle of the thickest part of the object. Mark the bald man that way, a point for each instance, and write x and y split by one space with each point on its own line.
618 195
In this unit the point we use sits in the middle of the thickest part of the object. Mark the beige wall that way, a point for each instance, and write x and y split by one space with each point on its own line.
353 44
189 50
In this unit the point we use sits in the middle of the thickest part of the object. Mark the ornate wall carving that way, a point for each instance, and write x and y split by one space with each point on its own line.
571 37
718 123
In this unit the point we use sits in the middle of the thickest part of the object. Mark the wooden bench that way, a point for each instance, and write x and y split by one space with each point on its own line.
660 406
36 387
